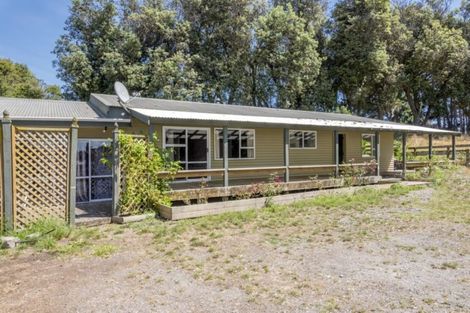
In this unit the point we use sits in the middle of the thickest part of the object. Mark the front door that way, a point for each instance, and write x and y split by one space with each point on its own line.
190 146
341 148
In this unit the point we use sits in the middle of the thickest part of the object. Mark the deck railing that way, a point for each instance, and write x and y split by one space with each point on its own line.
281 170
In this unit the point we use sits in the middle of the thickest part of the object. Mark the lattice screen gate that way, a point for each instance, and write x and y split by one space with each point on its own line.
40 174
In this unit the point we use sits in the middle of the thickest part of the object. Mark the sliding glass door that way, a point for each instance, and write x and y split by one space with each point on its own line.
94 179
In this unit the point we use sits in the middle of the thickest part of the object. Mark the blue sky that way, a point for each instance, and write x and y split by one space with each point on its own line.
28 31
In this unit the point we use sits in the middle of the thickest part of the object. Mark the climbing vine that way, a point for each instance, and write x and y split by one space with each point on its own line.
143 186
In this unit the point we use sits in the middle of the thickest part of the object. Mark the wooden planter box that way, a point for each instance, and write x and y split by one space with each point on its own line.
198 210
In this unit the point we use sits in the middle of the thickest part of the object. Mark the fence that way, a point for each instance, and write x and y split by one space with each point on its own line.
438 150
38 173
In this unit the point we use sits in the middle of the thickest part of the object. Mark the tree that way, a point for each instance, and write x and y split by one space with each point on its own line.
364 71
287 55
17 81
105 42
433 60
220 41
91 43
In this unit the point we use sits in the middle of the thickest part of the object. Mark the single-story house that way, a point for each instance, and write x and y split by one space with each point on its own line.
242 143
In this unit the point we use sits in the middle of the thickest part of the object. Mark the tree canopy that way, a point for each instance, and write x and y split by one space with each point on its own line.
405 61
17 81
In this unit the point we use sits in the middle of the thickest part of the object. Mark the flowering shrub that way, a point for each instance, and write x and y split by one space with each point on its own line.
353 174
270 189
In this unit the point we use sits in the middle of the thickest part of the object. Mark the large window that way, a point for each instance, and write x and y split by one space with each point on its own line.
189 146
94 179
241 143
368 145
301 139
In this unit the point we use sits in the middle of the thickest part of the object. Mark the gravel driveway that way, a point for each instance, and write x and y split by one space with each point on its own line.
399 265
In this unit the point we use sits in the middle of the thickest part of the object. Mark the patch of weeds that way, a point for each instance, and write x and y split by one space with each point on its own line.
233 269
429 301
86 233
245 276
197 242
44 233
449 265
104 251
71 248
118 231
406 247
294 293
330 306
450 198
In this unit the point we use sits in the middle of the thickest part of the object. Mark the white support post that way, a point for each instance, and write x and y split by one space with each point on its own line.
225 158
403 151
286 154
336 152
377 152
430 147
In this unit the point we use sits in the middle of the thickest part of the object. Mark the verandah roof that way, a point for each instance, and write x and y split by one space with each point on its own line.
150 115
151 110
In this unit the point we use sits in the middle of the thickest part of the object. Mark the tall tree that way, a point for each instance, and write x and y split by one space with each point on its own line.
220 39
364 71
287 55
433 59
129 41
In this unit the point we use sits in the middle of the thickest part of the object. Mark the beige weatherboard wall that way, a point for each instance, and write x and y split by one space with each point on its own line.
269 149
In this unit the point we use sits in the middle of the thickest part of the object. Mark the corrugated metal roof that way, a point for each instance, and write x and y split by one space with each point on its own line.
187 110
40 108
291 122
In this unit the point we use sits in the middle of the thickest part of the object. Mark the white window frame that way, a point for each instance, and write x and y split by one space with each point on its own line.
372 148
216 143
186 128
89 176
303 139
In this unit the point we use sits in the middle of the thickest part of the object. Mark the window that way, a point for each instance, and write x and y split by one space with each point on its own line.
94 179
241 143
300 139
368 145
189 146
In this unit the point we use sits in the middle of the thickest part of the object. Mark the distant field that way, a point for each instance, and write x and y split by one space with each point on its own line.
422 140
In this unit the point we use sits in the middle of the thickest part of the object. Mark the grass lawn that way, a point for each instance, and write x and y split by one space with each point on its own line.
405 248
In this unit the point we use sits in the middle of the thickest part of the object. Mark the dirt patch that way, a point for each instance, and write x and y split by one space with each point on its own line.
316 259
